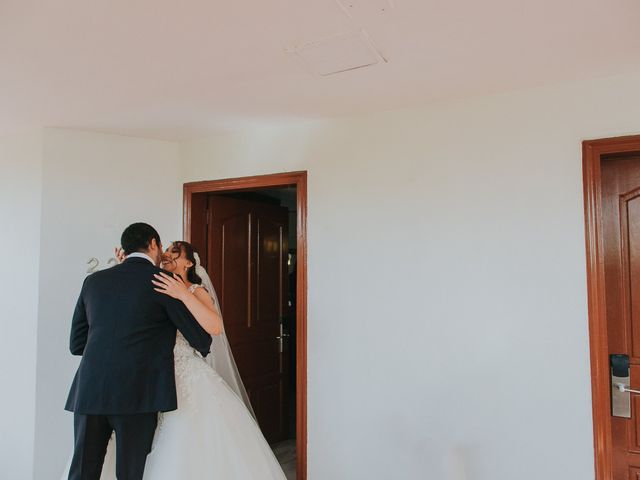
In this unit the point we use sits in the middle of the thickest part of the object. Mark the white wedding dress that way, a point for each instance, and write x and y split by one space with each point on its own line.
211 436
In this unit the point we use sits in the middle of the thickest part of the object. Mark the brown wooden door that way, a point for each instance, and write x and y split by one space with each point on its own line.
247 254
621 242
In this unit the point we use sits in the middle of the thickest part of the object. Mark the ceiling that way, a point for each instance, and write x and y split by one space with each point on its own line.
183 69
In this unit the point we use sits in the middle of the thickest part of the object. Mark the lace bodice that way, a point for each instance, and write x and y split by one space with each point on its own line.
182 347
189 364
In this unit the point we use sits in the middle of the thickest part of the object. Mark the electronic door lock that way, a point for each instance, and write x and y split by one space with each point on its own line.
620 383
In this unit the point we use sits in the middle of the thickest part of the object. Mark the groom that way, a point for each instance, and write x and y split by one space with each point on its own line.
125 332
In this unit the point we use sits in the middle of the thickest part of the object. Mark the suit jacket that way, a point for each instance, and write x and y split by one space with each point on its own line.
125 332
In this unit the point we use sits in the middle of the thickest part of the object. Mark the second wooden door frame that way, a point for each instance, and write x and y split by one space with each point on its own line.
592 157
278 180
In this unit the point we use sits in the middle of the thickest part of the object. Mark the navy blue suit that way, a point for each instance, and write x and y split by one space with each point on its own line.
125 332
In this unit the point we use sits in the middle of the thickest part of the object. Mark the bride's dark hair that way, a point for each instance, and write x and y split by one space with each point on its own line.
179 247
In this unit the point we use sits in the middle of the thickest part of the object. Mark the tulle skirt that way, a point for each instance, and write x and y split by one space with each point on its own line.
211 436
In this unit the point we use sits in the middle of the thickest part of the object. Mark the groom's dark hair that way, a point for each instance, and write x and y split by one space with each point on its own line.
137 238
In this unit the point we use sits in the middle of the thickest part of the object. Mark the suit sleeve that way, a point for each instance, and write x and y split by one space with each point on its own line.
188 326
79 326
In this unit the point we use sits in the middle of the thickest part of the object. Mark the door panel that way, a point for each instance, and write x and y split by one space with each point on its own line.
247 253
621 242
266 350
233 259
270 251
267 406
630 237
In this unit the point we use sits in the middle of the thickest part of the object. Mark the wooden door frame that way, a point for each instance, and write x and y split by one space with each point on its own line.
592 153
278 180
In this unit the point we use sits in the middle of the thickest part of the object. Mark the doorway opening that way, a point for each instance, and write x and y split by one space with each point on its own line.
250 233
611 174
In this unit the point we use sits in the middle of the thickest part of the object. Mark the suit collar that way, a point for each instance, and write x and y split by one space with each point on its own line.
141 260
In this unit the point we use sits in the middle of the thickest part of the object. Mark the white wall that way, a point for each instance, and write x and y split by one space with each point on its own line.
94 186
435 326
20 190
447 299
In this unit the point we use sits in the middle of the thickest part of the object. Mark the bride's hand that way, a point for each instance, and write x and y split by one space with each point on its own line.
120 256
170 285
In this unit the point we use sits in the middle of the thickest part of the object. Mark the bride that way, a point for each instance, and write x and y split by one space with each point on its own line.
213 435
